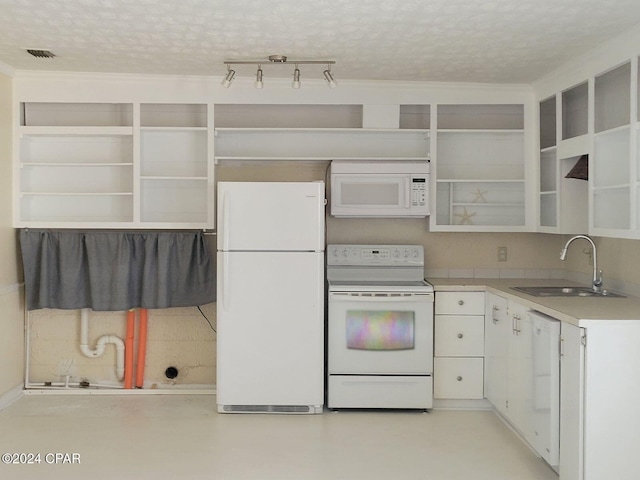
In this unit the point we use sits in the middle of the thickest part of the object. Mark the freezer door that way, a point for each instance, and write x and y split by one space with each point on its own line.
276 216
270 314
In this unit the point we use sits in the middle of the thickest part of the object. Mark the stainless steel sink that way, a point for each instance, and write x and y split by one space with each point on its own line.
565 292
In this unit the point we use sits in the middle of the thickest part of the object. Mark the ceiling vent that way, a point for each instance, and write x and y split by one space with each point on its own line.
38 53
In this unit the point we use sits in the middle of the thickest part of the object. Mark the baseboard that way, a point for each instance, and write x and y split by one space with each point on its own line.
34 389
11 396
453 404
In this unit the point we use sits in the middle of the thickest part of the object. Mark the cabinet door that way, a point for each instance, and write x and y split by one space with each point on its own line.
571 403
519 371
497 333
545 376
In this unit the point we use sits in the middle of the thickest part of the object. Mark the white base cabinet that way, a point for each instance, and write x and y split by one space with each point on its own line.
599 412
459 345
497 333
522 372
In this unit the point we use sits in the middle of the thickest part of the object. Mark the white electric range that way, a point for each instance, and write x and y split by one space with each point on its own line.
380 327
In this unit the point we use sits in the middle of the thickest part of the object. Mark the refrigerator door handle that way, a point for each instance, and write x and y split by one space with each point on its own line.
225 281
225 221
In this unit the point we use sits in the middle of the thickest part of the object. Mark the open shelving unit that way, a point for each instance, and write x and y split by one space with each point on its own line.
317 133
612 167
564 139
90 165
76 164
548 186
480 181
175 171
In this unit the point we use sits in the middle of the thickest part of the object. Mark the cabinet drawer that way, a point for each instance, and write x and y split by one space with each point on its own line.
458 378
459 336
460 303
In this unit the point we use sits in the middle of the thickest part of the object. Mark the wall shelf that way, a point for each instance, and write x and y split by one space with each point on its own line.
318 144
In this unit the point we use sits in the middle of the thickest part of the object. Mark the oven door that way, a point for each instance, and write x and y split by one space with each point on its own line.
380 333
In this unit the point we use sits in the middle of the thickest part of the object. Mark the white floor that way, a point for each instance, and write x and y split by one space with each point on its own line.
182 437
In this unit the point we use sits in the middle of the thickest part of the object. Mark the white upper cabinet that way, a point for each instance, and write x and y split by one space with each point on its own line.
612 152
315 133
135 151
480 168
75 164
113 165
548 178
175 171
589 180
563 198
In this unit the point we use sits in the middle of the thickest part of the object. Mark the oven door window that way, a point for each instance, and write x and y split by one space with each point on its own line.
380 330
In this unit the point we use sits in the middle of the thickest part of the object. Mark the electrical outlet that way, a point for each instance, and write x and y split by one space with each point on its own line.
502 254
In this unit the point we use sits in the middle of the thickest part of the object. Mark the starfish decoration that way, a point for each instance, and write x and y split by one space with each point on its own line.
479 196
465 217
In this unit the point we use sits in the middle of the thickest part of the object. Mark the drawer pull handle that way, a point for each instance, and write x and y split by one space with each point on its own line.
460 335
459 379
460 302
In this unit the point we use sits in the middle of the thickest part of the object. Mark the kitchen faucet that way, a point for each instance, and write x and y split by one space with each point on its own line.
597 274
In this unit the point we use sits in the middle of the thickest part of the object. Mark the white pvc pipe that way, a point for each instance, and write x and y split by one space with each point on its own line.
101 345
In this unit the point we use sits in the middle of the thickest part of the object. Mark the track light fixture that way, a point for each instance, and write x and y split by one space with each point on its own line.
278 60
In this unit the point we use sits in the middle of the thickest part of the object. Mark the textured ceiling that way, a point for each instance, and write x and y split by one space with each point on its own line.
433 40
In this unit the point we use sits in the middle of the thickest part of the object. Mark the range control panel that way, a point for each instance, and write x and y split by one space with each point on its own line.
364 255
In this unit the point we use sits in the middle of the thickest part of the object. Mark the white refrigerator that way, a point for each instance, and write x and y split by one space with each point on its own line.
270 297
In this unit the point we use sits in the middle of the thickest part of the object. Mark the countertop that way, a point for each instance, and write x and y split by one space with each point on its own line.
578 311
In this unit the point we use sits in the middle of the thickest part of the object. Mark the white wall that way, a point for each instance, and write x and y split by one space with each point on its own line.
11 298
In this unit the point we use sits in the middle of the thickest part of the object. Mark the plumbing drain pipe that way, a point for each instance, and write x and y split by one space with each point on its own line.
101 344
128 351
142 348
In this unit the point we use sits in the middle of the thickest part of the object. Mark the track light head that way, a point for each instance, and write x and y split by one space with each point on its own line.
296 78
226 82
329 78
258 83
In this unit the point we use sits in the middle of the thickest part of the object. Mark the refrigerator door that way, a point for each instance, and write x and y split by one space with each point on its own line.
270 312
271 216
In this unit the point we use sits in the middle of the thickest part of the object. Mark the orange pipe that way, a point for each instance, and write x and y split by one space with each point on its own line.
128 349
142 348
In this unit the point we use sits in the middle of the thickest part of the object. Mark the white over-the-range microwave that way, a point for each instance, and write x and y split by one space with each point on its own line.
380 189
